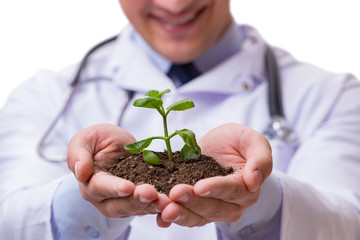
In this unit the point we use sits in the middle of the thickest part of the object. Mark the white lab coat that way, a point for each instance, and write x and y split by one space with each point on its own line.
321 185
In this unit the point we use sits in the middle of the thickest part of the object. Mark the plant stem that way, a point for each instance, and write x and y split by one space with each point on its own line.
167 139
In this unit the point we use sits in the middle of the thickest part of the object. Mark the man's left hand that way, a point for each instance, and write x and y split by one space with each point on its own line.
222 198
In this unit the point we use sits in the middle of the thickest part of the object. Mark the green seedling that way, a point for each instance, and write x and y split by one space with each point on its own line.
190 150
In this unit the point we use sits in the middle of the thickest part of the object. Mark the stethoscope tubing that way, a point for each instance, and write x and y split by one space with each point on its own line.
83 62
274 84
278 127
271 72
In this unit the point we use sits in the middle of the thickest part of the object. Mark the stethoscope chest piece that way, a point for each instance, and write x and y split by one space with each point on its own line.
280 129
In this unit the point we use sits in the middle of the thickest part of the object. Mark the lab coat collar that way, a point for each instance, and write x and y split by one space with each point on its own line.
135 71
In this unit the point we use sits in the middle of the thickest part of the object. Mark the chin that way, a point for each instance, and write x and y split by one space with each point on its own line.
178 55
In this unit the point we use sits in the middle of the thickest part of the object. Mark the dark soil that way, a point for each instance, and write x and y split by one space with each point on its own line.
173 172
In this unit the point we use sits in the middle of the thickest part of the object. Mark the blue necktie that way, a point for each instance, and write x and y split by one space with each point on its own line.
182 73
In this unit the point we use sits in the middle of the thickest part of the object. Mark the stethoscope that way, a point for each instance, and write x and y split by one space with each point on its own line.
277 129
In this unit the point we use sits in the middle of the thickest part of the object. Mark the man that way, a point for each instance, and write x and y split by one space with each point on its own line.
321 168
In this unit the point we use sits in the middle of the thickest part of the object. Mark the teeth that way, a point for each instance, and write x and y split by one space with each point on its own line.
177 22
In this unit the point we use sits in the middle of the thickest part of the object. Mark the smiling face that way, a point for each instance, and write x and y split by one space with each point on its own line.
180 30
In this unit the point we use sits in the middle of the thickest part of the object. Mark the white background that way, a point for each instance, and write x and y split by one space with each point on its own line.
50 34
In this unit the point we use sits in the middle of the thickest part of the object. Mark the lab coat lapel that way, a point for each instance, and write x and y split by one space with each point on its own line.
138 73
230 76
243 67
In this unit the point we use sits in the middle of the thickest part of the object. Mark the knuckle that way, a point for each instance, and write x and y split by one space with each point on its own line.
252 198
85 195
235 194
199 223
233 219
107 213
234 216
215 213
109 209
193 221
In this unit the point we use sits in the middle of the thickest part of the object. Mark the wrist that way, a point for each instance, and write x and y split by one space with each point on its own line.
74 218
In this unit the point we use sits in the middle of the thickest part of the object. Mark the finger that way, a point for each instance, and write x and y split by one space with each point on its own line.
124 207
161 202
175 213
161 223
225 144
80 160
145 193
230 188
238 146
258 162
140 203
209 208
110 145
96 145
103 185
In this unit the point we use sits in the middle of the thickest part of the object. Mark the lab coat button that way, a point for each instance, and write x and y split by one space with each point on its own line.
246 86
92 232
245 231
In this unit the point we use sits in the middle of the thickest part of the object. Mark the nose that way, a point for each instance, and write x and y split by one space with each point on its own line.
174 6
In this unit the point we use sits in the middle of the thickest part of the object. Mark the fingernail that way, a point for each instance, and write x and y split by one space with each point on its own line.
205 194
157 209
176 219
77 169
120 193
257 179
144 200
184 198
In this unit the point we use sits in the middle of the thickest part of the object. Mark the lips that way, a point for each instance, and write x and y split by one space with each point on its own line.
176 21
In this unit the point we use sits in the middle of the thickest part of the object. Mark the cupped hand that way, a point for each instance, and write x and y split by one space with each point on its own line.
222 198
96 147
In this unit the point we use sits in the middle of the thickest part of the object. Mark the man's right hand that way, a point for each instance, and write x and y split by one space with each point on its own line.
99 146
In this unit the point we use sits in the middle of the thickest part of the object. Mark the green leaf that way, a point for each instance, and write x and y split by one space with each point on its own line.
189 139
148 102
188 153
151 158
152 93
181 105
162 93
157 94
138 146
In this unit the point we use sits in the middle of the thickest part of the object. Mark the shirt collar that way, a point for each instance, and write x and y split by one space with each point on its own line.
243 66
161 62
228 45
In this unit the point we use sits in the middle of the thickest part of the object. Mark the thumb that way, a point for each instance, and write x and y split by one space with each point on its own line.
253 179
80 161
256 170
258 162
